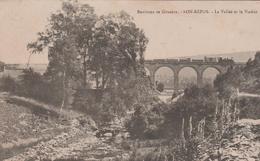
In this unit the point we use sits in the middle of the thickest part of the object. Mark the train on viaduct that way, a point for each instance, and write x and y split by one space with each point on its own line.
199 65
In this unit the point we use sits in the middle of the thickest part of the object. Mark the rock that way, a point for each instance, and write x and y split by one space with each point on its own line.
108 134
241 143
243 146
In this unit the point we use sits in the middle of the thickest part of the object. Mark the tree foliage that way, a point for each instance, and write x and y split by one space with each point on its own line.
117 50
107 50
146 121
66 36
67 33
196 105
227 83
244 78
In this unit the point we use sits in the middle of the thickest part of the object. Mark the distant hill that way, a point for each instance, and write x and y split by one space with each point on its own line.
16 69
37 67
237 56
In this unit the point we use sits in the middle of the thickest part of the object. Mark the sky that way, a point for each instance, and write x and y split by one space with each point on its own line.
170 35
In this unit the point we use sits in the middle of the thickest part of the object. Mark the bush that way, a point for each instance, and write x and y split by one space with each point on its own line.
8 84
137 126
249 108
196 104
188 151
33 85
85 100
175 150
159 154
160 87
107 104
146 121
102 105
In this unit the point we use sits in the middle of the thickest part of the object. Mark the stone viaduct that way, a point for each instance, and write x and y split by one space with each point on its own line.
176 65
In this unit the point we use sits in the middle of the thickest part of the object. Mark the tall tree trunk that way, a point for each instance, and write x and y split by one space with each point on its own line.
28 61
215 119
190 126
97 81
103 80
182 129
64 91
222 118
223 112
201 128
217 109
235 112
84 71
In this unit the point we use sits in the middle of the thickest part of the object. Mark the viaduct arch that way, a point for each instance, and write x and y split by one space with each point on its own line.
176 65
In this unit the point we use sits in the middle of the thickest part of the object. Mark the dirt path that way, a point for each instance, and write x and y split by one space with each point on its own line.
244 94
76 144
30 130
25 125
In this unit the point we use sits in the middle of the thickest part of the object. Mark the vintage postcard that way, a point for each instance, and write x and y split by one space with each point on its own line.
129 80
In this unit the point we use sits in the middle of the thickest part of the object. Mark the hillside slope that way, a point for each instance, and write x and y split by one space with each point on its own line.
243 141
31 131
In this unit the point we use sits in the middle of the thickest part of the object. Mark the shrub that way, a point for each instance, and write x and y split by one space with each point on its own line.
33 85
159 154
8 84
102 105
249 108
111 102
160 87
146 121
196 104
175 150
188 151
137 126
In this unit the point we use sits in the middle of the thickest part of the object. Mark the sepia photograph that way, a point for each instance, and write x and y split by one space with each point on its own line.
129 80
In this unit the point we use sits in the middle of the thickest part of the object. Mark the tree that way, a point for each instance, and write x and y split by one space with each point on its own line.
109 49
116 63
227 83
196 105
68 34
117 50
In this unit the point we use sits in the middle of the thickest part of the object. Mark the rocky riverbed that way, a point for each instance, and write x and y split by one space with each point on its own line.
243 143
26 134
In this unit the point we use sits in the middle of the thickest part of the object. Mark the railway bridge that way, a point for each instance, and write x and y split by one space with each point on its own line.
199 65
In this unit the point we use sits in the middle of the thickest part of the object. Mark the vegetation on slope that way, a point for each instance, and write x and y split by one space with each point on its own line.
96 66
